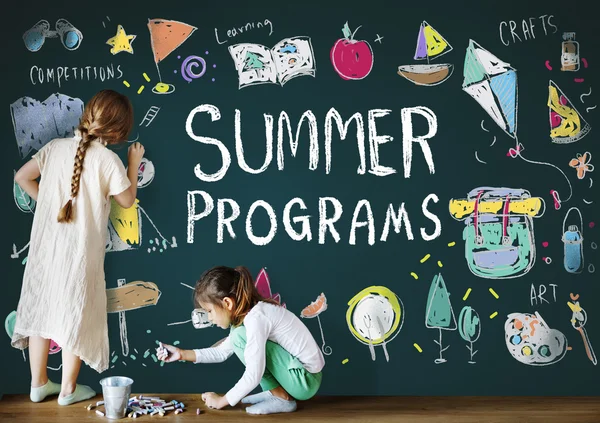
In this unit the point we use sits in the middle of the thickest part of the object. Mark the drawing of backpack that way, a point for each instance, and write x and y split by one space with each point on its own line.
498 234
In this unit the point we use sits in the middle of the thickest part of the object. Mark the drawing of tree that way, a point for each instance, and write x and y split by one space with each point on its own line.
469 327
439 314
252 61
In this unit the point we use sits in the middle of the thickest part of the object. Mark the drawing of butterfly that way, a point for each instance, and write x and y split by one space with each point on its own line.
582 164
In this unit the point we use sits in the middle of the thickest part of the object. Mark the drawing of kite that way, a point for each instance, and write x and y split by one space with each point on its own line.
493 84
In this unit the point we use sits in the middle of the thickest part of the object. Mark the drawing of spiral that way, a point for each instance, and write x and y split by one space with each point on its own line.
188 65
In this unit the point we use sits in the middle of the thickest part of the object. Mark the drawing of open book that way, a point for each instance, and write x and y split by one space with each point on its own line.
289 58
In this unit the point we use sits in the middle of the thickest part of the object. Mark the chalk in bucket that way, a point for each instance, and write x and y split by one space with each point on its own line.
116 391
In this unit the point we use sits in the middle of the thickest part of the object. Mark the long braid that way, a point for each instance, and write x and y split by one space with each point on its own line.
66 213
108 117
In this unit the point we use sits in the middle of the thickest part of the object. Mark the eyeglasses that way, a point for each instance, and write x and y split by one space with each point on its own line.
70 36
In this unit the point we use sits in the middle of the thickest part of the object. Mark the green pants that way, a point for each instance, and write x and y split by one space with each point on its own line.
282 369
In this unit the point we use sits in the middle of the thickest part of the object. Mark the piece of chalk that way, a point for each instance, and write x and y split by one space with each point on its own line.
197 411
179 410
169 408
99 403
100 413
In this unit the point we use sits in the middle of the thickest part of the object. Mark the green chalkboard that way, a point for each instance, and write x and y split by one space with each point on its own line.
444 154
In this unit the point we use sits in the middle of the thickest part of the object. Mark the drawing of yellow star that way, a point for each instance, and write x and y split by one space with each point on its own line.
121 41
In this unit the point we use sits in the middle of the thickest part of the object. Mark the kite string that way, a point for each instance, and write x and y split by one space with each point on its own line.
517 152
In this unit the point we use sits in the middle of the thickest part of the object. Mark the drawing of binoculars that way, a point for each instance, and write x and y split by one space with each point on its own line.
35 37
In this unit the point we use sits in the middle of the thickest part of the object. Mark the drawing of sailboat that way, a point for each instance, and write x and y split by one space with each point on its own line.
430 45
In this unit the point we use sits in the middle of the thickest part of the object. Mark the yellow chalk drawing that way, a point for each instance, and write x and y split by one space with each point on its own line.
467 294
126 222
121 41
566 124
494 314
140 89
451 244
414 275
417 347
494 293
530 206
440 264
127 84
344 361
436 44
370 292
424 259
146 77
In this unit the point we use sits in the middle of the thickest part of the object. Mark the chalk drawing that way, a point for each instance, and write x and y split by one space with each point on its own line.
150 115
531 341
439 313
165 37
351 59
35 37
578 321
263 286
569 58
23 201
146 173
375 316
127 297
289 58
581 163
572 237
493 84
567 125
314 309
36 123
430 45
121 41
469 327
498 233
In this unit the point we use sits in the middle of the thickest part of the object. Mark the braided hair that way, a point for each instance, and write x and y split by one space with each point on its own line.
107 117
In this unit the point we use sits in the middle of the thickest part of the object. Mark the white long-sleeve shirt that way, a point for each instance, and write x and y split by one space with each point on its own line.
266 322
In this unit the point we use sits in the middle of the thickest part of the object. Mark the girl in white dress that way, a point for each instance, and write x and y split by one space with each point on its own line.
63 296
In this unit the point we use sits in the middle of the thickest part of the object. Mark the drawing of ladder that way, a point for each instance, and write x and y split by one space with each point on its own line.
150 115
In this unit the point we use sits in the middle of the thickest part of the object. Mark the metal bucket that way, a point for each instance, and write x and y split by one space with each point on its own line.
116 391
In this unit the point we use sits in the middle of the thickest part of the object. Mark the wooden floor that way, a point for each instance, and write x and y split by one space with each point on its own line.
18 408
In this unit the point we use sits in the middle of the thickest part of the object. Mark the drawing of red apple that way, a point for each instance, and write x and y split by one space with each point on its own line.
351 59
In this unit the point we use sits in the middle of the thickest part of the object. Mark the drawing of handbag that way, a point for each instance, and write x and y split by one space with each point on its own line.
498 234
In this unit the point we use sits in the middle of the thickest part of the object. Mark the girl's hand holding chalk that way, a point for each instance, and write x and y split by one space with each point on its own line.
168 353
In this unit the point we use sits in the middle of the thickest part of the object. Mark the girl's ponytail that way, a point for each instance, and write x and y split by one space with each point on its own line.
236 283
246 295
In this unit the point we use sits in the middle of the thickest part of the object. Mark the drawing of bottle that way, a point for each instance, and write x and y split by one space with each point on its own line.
570 53
573 250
